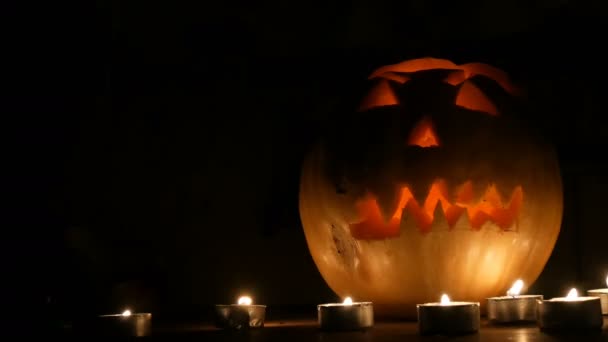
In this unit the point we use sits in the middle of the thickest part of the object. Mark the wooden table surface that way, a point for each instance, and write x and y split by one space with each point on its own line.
307 330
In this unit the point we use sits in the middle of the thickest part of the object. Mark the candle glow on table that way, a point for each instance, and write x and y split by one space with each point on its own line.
448 317
513 307
126 323
603 295
570 313
345 316
242 315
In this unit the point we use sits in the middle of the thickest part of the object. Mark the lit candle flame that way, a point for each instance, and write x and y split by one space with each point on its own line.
126 313
573 294
606 280
245 300
348 301
445 299
516 288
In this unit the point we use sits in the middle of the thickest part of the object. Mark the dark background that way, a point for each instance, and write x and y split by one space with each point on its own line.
154 147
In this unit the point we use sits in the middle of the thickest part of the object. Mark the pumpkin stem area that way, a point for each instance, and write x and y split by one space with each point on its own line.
489 208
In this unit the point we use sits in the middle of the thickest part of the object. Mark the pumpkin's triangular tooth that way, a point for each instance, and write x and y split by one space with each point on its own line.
440 222
408 221
489 224
454 213
463 222
516 199
421 189
464 194
386 207
493 196
505 191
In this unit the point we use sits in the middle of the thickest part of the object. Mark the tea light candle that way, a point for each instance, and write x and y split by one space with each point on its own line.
347 315
125 324
513 307
570 313
447 317
603 295
242 315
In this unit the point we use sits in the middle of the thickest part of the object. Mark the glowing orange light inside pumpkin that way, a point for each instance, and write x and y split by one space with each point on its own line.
414 65
489 208
469 96
423 134
395 77
461 72
380 95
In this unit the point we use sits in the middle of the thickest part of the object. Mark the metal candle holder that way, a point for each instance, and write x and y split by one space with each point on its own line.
344 317
455 318
582 313
134 325
239 316
511 309
603 295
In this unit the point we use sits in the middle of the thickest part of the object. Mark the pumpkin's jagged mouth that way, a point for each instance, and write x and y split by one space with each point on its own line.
489 208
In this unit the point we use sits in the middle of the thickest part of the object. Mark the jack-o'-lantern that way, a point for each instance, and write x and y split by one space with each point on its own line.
431 187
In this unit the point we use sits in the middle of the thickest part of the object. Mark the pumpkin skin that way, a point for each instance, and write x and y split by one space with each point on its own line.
432 187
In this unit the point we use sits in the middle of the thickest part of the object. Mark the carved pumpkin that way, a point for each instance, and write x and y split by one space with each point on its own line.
431 187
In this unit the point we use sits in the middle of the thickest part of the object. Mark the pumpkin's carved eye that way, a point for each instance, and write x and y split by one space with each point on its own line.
423 134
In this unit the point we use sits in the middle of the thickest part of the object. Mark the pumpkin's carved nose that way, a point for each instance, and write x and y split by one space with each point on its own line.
423 134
